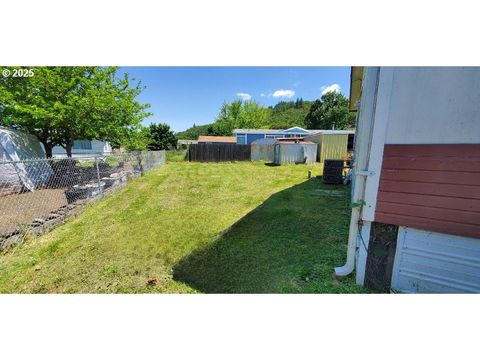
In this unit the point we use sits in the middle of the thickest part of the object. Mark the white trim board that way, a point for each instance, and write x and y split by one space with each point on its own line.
379 131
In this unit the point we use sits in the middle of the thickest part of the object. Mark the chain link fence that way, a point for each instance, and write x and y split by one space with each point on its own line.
37 195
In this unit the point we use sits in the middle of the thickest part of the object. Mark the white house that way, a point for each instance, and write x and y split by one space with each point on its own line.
417 168
83 148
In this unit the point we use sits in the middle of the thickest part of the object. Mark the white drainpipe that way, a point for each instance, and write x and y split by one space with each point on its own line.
353 231
363 137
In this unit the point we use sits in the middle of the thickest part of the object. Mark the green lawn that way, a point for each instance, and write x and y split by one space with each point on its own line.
176 155
196 227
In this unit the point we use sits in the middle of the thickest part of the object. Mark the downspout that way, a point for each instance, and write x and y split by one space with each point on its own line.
352 233
363 140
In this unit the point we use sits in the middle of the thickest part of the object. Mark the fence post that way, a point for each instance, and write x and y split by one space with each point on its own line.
98 177
140 162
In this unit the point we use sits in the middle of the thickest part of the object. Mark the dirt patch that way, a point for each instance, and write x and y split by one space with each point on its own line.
17 209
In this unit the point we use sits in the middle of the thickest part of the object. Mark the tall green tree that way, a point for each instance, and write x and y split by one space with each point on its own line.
138 139
63 104
239 114
330 112
162 137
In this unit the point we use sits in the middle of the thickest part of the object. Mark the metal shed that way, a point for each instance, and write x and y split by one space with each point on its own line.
301 152
332 144
263 150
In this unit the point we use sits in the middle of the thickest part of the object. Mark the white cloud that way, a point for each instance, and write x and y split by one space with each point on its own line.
283 93
262 95
330 88
244 96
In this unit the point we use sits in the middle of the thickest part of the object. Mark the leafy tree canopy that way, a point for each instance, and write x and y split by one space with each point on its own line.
162 138
330 112
239 114
63 104
138 139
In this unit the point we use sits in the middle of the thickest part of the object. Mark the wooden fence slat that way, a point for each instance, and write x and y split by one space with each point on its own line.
219 152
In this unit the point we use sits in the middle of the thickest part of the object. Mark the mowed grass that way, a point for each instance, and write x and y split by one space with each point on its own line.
176 155
196 227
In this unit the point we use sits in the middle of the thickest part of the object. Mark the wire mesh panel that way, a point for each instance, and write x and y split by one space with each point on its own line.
37 195
381 254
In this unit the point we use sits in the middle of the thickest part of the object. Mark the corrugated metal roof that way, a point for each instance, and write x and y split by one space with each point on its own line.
292 130
258 131
264 141
292 141
281 131
217 139
332 132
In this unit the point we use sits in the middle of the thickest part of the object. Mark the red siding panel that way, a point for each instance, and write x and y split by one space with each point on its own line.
436 163
428 212
442 177
437 150
464 191
430 200
428 224
431 187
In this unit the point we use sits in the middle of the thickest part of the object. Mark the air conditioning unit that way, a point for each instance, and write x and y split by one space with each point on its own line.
333 171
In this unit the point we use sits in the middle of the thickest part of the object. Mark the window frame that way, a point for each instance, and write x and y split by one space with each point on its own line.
84 145
242 136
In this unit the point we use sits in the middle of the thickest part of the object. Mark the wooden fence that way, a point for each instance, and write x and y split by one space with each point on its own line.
218 152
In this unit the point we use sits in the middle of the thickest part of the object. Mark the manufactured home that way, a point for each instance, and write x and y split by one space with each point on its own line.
417 174
247 136
84 148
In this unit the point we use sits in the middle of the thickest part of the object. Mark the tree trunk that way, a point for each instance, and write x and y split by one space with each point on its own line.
48 149
68 148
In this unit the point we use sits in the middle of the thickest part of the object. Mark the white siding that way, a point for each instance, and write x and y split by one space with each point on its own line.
98 148
434 105
429 262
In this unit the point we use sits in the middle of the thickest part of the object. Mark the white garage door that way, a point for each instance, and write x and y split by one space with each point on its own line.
428 262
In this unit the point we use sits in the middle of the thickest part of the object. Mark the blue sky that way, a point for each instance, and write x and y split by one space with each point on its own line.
182 96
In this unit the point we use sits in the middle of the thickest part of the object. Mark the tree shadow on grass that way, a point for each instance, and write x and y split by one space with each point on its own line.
289 244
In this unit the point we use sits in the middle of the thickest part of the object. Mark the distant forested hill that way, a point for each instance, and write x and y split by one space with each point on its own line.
287 114
283 115
194 132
